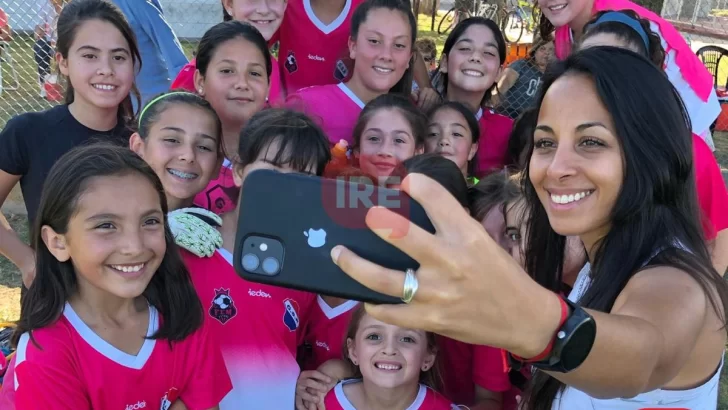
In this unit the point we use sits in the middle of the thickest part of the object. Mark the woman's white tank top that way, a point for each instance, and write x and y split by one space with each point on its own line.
704 397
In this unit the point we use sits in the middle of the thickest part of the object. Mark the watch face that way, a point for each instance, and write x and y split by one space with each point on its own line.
579 343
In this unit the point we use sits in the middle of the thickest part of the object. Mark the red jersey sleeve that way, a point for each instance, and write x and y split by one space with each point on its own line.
331 402
712 193
208 381
47 378
488 369
186 78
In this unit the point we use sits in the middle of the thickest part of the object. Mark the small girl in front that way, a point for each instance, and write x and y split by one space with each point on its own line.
112 320
233 75
179 136
389 130
454 133
472 60
395 368
383 34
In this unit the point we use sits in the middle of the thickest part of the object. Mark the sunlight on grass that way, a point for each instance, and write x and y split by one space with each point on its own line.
424 23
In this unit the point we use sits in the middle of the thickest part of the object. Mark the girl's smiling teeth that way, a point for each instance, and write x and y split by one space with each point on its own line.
128 268
387 366
182 174
557 7
383 70
567 199
472 73
104 87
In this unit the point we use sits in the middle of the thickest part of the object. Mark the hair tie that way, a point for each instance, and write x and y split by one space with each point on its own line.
157 99
619 17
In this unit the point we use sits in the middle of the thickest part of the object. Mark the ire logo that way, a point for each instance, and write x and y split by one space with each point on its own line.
347 201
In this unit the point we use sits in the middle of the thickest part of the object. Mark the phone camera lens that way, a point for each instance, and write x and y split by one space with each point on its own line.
250 262
271 266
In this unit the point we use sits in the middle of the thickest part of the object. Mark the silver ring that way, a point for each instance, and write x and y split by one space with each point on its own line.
410 286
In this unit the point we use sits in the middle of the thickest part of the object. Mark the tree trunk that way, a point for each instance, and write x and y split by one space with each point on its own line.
428 6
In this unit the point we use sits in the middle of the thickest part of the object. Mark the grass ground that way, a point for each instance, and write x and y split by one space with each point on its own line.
26 99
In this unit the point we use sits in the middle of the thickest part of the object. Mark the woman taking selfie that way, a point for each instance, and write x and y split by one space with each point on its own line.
611 163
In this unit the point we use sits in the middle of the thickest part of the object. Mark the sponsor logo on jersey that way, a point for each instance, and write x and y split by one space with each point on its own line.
223 308
259 294
138 405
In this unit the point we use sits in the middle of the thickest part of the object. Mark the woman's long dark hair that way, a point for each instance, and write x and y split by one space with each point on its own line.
170 291
655 219
76 13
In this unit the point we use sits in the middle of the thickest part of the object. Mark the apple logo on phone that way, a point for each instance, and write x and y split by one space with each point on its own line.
316 237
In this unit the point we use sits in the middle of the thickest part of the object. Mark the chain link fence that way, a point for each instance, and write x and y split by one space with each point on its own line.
27 40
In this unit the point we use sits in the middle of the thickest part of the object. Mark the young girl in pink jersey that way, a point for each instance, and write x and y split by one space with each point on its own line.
313 385
627 30
389 130
395 368
233 71
566 19
259 326
112 312
179 136
383 33
471 63
266 16
454 133
96 53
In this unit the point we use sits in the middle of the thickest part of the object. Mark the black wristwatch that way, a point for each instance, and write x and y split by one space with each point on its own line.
572 343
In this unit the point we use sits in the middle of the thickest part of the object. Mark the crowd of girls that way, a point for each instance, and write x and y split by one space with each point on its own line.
132 300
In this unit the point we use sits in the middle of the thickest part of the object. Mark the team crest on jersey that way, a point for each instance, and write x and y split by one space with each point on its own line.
291 63
290 316
340 70
223 307
170 397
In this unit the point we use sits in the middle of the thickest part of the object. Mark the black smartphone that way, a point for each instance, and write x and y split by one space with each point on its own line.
289 223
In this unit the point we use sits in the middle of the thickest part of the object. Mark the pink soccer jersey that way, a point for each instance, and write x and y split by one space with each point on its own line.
186 80
712 193
464 365
326 331
221 194
334 107
426 399
76 369
495 130
311 52
258 329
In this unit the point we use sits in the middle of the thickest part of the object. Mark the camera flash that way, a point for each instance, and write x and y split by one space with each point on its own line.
263 247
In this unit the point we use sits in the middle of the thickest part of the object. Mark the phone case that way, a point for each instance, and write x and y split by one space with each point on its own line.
309 216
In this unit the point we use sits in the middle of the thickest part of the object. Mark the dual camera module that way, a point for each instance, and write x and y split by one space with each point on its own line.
261 255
